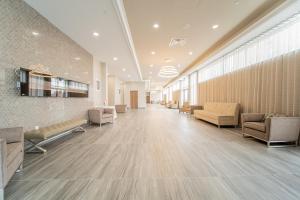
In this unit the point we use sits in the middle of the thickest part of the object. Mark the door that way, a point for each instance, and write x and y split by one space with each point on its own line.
148 99
134 99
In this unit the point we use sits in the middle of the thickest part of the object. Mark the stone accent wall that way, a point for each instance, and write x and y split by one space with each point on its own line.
51 49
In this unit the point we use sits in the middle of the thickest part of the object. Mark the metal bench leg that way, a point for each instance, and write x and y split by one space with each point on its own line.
35 146
81 129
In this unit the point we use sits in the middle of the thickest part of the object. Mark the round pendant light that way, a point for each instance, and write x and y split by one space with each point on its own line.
168 72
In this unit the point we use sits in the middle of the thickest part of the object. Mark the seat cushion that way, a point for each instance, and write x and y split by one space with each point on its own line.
107 115
13 150
260 126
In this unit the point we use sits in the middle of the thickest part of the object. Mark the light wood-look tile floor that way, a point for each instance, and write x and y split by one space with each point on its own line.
158 154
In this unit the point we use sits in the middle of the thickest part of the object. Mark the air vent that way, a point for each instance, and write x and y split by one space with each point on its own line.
177 42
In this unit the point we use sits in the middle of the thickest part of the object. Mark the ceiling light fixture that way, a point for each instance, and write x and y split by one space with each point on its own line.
215 26
150 72
115 58
35 33
151 65
153 52
96 34
124 70
156 25
190 53
236 2
168 72
77 58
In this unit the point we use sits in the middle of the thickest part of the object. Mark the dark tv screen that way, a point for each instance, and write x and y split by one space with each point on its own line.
43 85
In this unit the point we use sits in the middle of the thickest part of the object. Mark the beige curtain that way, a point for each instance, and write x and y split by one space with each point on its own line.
270 86
176 95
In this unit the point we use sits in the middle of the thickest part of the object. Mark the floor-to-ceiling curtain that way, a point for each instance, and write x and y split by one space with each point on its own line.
269 86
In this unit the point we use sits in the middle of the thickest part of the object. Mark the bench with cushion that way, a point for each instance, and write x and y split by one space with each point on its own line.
37 138
219 113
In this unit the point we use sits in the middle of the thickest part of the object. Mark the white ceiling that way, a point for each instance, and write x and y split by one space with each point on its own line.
80 18
189 19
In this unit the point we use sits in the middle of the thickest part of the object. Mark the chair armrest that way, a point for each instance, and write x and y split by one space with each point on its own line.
109 110
95 115
252 117
11 135
284 128
3 164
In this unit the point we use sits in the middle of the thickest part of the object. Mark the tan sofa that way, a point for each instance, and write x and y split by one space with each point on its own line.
271 129
12 154
101 115
219 113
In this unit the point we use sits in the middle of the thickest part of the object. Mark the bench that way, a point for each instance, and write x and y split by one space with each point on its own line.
38 138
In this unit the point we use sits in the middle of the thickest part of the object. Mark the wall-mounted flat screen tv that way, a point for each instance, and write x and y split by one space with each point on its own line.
35 84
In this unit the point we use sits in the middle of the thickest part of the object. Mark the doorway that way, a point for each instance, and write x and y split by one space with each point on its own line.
134 99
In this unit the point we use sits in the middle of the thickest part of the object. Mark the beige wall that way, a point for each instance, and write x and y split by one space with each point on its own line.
52 49
135 86
271 86
114 91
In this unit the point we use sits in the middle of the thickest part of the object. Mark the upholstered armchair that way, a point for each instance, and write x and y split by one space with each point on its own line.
271 129
122 108
186 108
101 115
12 154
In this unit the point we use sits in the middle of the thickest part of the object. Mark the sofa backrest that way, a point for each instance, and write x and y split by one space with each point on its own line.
230 109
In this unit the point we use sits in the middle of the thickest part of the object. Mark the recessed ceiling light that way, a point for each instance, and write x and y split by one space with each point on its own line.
236 2
96 34
151 65
179 65
129 75
35 33
215 26
77 58
150 72
153 52
115 58
190 53
123 69
156 25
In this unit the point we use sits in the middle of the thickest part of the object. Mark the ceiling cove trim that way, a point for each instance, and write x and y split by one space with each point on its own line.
266 10
120 9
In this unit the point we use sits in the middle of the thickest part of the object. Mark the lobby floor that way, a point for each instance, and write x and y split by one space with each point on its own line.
157 154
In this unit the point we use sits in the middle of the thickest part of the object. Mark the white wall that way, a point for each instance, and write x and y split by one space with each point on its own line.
156 96
135 86
114 91
99 74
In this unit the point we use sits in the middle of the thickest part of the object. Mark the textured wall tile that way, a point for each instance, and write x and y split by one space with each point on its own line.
52 49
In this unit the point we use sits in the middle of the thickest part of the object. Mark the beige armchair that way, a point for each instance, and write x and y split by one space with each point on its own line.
101 115
186 108
273 129
122 108
12 154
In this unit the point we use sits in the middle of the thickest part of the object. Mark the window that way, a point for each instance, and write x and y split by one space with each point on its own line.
193 88
279 40
184 90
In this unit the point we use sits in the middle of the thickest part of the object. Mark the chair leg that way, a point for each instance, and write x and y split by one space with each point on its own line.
2 194
20 168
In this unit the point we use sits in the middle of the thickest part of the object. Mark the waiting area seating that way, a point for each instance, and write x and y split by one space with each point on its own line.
173 104
101 115
12 154
42 136
219 113
186 108
271 128
122 108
